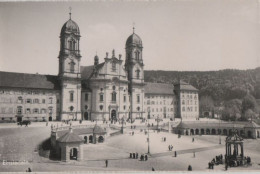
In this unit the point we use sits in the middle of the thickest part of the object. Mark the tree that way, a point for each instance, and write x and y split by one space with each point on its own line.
206 103
249 102
232 110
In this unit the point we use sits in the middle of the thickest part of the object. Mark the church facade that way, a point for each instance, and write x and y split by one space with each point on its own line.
109 90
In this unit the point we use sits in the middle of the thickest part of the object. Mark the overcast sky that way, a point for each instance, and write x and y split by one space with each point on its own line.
180 35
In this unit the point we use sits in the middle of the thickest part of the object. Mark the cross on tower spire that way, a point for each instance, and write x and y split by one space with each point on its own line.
133 27
70 12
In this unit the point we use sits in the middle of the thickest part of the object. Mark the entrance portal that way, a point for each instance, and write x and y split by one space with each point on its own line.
19 119
86 116
113 115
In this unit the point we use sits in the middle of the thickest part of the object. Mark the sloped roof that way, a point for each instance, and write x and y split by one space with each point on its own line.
195 124
98 130
23 80
158 88
69 137
79 131
86 71
185 86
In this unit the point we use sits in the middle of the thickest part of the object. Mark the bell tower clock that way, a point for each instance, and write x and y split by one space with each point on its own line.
69 71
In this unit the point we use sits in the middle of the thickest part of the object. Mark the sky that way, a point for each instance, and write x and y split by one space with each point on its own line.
179 35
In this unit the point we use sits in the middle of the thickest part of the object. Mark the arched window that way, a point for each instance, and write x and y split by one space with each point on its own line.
101 107
72 66
137 55
137 73
72 45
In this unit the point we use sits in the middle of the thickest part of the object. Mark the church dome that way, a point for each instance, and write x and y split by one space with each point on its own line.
70 26
134 39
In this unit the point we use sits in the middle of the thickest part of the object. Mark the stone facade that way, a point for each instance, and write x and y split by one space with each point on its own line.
110 90
29 104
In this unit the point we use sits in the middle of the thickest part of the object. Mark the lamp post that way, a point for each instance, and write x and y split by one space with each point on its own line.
219 128
148 139
122 128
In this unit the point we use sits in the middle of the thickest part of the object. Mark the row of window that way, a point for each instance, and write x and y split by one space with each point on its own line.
161 103
113 97
189 102
34 111
189 109
157 97
159 109
30 101
189 96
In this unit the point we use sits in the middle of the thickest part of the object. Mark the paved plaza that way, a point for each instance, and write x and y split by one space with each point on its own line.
20 144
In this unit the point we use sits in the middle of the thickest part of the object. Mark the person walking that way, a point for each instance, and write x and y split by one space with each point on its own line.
106 163
153 169
189 168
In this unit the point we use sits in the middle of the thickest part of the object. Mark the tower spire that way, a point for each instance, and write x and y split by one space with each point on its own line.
133 27
70 12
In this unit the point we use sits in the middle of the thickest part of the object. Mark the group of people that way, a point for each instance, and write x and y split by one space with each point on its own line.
164 139
143 157
216 161
236 162
170 147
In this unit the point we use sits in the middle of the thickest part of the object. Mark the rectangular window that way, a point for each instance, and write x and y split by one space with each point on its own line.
138 98
86 97
58 101
71 97
43 100
101 97
124 98
113 97
28 101
28 111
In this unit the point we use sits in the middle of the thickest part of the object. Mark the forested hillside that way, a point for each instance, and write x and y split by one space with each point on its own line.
220 85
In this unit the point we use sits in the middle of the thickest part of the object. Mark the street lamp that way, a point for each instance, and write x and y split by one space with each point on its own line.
122 128
219 129
148 139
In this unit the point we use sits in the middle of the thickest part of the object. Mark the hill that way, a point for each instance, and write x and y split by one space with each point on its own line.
222 85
